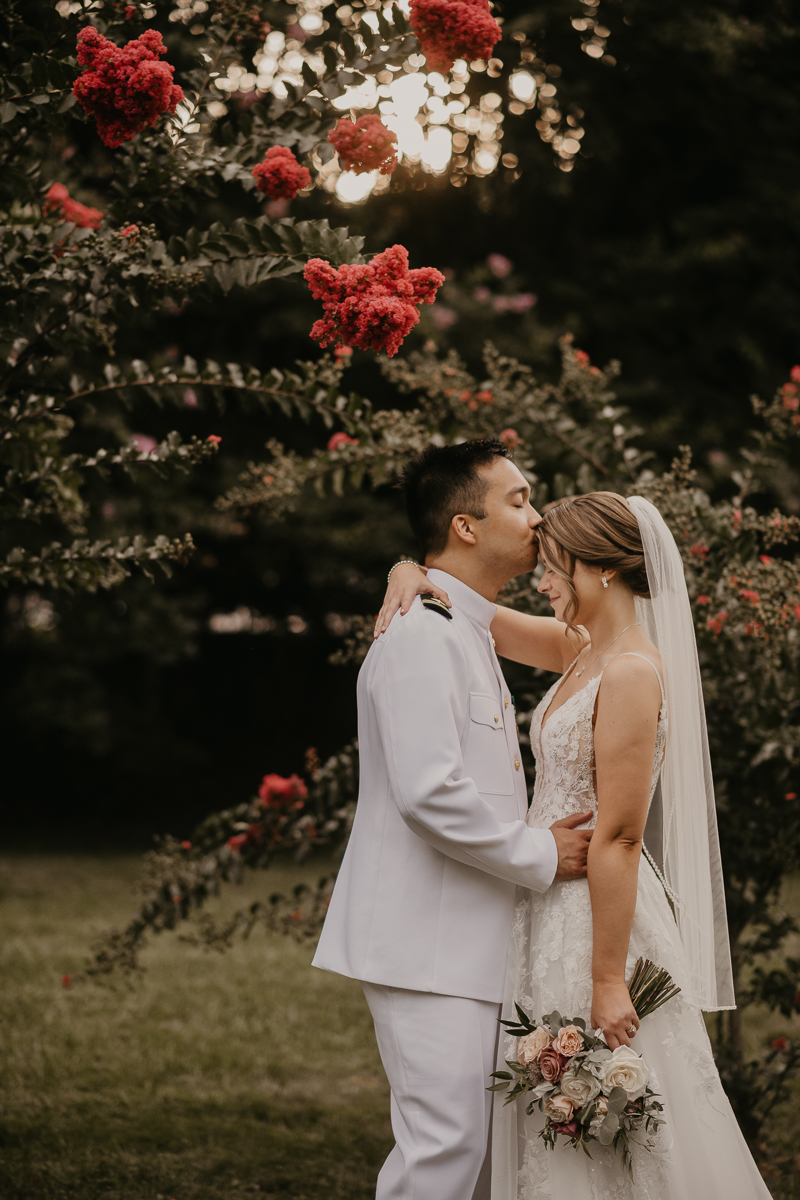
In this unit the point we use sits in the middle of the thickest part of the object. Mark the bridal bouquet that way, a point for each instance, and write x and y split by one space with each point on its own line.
587 1092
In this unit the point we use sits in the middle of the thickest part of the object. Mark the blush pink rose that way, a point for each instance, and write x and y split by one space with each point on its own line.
551 1065
569 1041
531 1046
558 1108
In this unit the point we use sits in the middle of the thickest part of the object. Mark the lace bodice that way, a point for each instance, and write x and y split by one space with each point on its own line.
564 753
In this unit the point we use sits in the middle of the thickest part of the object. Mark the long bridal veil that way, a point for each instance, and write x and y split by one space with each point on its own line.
692 866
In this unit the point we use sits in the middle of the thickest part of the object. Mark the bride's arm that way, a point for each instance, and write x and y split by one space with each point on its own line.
625 734
406 581
535 641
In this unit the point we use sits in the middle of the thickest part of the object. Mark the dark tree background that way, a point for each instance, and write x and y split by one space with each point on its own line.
672 245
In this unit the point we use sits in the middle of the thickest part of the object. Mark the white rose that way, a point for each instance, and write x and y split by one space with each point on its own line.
579 1089
627 1070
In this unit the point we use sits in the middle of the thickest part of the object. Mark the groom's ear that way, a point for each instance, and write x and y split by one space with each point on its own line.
463 526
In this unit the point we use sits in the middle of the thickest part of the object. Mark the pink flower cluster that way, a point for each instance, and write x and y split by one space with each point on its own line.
451 29
126 87
546 1057
59 202
280 175
279 796
279 792
364 145
374 306
510 437
340 440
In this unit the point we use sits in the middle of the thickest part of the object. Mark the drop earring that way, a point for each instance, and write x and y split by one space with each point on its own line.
605 581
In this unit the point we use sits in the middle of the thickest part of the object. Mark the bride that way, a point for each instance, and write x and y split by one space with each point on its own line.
622 732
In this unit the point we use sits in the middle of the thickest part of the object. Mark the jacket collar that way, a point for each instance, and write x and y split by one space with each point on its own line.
470 602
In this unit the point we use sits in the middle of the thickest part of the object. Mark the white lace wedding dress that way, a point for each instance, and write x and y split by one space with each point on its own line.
700 1153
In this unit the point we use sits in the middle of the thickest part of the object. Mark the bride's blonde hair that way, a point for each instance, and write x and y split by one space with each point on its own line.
600 530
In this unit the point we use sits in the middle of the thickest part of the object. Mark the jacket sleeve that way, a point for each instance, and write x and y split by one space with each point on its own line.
420 692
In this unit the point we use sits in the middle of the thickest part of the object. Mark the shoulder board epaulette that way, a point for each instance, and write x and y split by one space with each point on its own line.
435 605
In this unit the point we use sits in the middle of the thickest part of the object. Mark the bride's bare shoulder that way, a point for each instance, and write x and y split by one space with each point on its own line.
631 674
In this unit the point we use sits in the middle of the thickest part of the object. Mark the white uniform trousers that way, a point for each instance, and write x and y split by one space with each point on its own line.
438 1053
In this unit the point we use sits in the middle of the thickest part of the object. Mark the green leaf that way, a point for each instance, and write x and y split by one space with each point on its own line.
7 111
349 46
331 57
309 74
609 1129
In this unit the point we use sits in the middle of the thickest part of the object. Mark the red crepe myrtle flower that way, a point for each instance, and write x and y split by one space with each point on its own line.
794 374
703 599
343 352
214 438
790 796
340 440
364 145
130 231
374 306
698 550
278 792
791 400
485 397
236 842
797 611
581 358
737 516
186 845
130 12
781 1044
451 29
280 176
748 594
715 623
58 202
66 981
765 559
126 87
510 437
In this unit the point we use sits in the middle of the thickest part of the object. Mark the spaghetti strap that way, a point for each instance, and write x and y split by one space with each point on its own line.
634 654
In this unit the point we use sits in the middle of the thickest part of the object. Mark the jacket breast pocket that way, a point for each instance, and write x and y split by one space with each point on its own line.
486 754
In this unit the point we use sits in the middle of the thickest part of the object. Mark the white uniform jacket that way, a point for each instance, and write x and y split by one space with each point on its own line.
425 895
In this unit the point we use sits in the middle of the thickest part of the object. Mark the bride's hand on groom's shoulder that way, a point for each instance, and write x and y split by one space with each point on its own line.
613 1013
405 582
572 845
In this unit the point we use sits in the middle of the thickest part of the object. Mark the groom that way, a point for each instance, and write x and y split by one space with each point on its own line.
423 905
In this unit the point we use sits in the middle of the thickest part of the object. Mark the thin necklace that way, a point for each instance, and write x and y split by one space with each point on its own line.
608 647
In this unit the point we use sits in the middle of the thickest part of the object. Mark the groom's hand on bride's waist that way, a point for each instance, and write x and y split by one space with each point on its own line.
572 845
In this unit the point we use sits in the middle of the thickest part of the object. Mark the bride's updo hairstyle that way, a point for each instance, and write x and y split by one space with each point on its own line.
600 530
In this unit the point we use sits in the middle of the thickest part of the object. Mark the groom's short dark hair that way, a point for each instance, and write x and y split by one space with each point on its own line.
444 481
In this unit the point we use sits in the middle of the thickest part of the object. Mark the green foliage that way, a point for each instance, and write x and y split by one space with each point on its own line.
67 290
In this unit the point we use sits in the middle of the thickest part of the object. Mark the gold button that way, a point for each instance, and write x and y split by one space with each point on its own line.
496 718
505 702
494 643
516 764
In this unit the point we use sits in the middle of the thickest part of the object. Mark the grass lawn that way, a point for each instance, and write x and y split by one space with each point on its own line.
211 1076
214 1076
